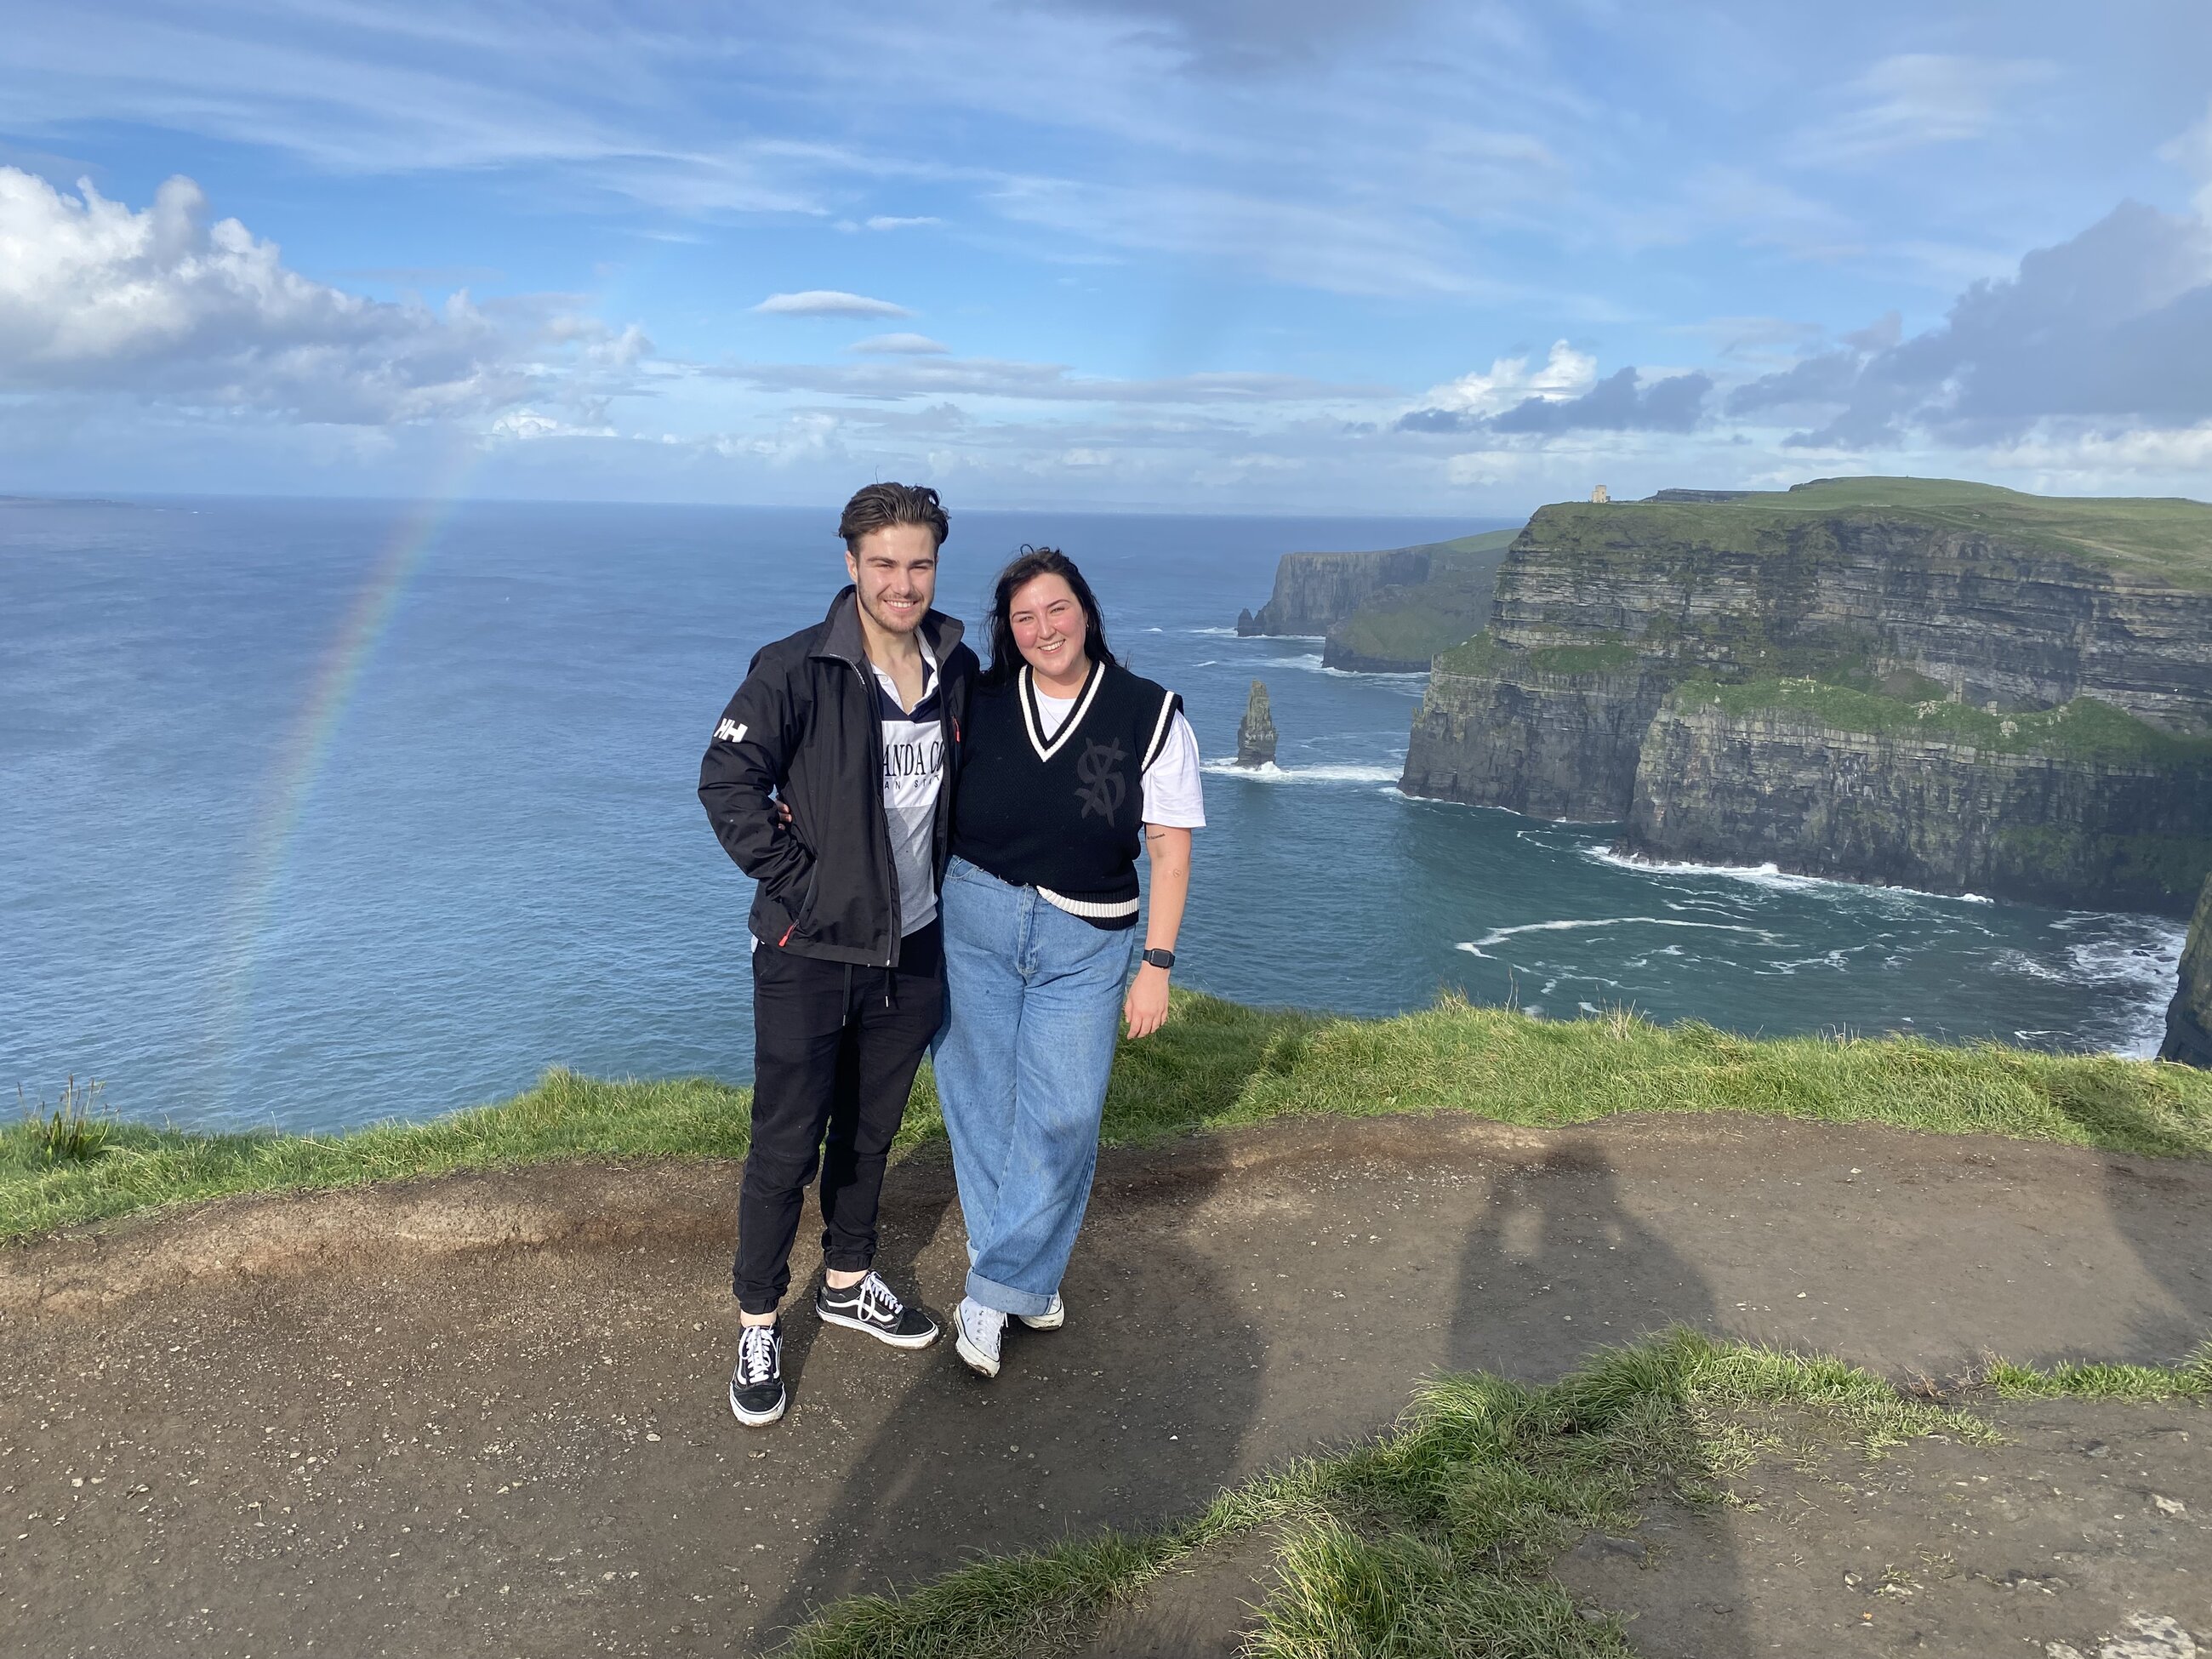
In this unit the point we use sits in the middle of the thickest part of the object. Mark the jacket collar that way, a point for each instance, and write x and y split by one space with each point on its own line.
842 639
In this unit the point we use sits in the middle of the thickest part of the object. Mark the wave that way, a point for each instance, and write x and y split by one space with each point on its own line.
1273 774
1310 662
1498 935
1217 633
1769 875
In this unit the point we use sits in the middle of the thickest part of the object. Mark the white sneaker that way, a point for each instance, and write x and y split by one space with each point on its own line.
1050 1320
975 1333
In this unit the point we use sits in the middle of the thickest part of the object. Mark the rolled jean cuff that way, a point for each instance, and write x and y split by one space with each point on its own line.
1024 1305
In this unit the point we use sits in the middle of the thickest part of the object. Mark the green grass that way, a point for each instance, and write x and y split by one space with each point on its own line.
2084 729
2163 540
1599 657
1480 654
73 1130
565 1116
1413 624
1436 1538
1216 1065
1410 624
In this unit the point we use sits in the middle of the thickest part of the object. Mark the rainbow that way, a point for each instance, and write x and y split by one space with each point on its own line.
301 756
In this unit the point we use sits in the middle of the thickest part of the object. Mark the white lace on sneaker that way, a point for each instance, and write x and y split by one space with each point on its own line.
756 1355
879 1304
981 1328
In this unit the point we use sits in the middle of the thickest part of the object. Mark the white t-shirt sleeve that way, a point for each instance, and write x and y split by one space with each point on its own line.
1173 797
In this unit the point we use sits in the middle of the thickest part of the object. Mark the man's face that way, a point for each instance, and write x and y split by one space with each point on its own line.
895 570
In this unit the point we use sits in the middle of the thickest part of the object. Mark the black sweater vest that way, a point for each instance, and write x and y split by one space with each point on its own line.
1064 813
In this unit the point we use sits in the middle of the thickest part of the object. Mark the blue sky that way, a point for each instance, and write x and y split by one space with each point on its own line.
1216 255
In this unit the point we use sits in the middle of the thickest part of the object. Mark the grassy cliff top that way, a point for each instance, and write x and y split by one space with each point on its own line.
1412 624
1214 1065
2167 540
1482 542
2084 729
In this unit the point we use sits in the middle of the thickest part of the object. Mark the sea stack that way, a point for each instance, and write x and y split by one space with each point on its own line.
1247 624
1256 736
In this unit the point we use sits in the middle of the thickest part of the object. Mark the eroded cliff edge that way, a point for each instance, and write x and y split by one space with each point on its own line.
2189 1017
1945 685
1384 612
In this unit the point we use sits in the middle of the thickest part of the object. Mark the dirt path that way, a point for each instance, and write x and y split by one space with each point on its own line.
485 1415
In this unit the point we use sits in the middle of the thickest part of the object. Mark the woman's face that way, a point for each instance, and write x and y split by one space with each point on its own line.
1049 626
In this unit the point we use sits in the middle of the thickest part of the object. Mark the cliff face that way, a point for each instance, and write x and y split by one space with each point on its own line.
1781 783
1314 592
2189 1019
1553 745
1983 612
1385 612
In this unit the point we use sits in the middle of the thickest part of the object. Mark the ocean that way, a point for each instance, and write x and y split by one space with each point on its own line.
324 812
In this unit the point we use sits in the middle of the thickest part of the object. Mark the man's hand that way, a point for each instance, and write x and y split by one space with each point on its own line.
1146 1007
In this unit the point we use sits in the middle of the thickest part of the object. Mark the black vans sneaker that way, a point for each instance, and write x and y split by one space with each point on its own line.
871 1306
756 1395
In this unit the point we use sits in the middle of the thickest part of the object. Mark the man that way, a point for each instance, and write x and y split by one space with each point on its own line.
827 782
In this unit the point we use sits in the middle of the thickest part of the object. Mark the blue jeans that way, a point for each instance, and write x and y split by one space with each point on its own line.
1033 1001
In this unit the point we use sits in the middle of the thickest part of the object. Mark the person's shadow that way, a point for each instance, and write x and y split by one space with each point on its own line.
1131 1416
1556 1267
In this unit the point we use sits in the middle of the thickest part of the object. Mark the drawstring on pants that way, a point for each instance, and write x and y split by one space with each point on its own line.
891 992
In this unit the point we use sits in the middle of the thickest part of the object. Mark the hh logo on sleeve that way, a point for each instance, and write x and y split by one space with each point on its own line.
729 732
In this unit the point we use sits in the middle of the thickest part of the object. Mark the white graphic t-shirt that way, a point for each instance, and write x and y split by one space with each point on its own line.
914 773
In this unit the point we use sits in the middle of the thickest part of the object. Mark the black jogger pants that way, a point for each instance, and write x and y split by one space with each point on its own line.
835 1051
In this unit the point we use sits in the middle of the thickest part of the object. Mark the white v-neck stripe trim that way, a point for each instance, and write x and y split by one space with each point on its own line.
1045 750
1159 731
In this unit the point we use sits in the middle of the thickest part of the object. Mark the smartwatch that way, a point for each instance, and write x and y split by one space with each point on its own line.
1159 958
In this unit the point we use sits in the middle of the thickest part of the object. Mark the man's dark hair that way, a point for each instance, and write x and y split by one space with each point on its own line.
881 505
1028 566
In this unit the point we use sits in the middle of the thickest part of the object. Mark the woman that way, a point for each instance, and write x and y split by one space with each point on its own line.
1069 762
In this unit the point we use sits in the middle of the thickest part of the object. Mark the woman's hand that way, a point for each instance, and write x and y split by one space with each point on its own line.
1147 1006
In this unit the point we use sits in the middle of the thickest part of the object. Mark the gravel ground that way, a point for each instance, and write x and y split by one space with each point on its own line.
485 1415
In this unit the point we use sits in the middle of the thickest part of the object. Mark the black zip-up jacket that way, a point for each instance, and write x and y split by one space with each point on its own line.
803 727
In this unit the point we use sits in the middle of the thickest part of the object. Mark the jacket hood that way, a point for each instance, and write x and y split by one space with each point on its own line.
844 640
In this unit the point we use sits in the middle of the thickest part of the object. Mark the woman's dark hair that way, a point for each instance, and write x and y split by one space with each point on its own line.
1030 564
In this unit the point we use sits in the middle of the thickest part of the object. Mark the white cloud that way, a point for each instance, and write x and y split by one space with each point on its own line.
524 424
1914 99
896 221
828 302
1564 373
2192 152
928 375
2072 456
897 345
159 305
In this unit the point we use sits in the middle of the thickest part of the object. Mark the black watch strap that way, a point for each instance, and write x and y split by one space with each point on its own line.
1159 958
